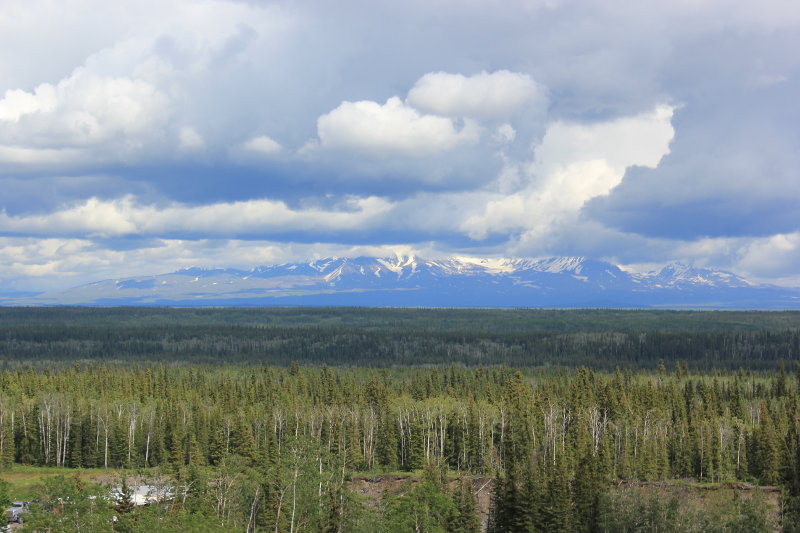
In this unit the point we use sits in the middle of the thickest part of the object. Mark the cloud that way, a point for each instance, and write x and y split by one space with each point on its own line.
641 140
505 133
87 118
419 140
772 258
17 103
731 171
142 93
573 164
190 139
23 157
520 128
108 218
392 128
497 95
262 145
82 110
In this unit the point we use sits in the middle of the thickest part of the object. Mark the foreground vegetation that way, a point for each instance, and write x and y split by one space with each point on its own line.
257 446
253 436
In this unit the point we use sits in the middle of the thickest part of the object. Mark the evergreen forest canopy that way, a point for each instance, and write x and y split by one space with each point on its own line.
600 339
271 420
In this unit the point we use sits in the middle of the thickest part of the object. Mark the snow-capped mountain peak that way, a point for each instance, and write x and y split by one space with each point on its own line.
679 274
556 265
408 280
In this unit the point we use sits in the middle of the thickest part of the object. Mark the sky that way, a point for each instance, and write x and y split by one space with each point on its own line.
144 137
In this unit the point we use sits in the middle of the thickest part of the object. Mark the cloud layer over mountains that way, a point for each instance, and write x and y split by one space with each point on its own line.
144 137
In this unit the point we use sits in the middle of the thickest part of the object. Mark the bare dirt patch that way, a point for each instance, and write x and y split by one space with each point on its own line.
375 488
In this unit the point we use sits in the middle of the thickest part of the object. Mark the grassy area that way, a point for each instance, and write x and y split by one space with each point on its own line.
25 479
704 499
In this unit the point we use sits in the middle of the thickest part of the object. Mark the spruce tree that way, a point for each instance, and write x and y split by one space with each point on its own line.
177 450
768 449
242 441
500 509
216 447
557 509
195 454
587 487
467 520
125 503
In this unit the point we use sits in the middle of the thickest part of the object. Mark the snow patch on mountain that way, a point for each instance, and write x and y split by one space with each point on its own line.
557 265
408 280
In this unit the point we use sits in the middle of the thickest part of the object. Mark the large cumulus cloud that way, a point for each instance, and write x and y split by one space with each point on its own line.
392 128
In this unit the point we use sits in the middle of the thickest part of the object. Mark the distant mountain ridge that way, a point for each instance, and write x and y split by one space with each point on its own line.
413 281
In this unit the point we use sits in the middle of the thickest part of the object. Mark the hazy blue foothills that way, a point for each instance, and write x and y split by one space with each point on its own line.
414 282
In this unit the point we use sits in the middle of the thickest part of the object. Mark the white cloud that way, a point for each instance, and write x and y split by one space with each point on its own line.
109 218
40 157
496 95
573 164
500 215
93 217
640 140
16 103
85 118
40 264
392 128
771 259
190 139
505 133
263 145
775 257
82 110
126 93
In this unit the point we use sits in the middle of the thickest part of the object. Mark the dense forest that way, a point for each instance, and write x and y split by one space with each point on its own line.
600 339
263 420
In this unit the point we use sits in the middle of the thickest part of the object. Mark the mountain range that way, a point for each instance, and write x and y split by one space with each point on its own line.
559 282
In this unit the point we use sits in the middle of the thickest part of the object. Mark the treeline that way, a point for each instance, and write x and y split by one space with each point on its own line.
554 441
425 319
644 426
401 319
389 347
